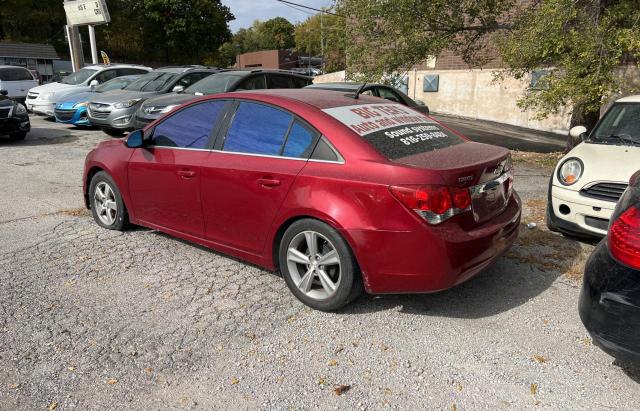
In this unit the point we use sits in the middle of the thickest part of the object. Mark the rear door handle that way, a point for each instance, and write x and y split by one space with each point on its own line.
187 173
268 182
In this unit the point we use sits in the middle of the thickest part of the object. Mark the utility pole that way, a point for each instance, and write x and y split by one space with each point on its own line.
322 39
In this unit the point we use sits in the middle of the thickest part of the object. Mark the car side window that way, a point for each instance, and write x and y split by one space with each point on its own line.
15 74
325 152
106 75
300 141
278 81
130 71
190 127
191 78
300 82
253 83
257 129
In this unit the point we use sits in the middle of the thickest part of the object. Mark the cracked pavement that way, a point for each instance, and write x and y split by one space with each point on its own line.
96 319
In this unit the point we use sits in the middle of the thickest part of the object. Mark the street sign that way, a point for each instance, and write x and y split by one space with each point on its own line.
81 12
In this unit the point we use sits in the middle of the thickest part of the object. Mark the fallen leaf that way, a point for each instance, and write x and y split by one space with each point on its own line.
354 343
534 388
234 381
454 407
387 391
291 319
14 386
332 363
322 381
540 359
53 406
341 389
458 386
71 368
148 370
112 381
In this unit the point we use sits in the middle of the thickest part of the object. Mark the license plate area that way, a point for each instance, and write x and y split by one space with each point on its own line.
491 198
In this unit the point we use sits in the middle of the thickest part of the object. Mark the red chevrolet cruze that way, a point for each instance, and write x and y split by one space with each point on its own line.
338 193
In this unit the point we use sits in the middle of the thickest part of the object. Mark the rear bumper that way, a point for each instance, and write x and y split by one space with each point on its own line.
609 306
585 217
433 258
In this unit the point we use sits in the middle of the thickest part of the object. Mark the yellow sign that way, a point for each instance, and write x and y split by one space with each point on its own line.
105 57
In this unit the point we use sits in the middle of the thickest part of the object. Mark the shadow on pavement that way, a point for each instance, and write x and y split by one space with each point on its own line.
39 136
630 370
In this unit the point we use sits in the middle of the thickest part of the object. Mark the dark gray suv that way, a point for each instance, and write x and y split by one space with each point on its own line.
113 110
225 81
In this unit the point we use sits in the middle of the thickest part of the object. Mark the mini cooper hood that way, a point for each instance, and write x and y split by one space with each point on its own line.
169 100
116 96
602 162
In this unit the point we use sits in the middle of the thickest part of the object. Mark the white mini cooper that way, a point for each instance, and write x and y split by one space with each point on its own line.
590 179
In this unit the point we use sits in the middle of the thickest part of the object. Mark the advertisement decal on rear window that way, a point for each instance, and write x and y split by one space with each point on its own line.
394 130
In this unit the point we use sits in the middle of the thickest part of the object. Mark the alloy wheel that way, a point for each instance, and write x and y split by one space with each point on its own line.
104 201
314 265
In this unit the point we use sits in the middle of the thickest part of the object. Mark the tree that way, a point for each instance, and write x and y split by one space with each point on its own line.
583 43
32 21
276 33
387 36
310 33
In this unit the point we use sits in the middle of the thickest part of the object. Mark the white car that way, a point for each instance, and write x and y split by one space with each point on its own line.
42 99
16 81
590 179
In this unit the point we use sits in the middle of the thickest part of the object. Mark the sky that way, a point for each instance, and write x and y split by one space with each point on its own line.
246 11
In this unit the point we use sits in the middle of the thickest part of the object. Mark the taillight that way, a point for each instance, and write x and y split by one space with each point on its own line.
624 238
433 203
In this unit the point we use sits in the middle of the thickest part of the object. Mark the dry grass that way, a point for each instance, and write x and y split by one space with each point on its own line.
545 250
544 160
75 212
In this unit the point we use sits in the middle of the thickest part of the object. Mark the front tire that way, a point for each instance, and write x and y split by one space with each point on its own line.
107 206
318 265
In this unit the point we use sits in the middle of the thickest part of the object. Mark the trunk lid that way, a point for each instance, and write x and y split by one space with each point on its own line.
484 169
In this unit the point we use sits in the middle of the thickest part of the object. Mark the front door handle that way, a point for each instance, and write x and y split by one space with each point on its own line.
268 182
186 173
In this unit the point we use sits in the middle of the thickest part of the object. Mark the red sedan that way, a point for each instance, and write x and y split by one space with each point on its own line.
338 193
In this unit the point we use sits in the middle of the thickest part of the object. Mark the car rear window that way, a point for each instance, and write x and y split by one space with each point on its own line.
15 74
394 130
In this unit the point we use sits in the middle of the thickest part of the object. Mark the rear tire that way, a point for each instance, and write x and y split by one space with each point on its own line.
107 206
318 265
113 132
18 136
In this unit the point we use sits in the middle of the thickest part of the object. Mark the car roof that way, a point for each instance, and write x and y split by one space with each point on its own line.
270 71
321 99
348 85
185 69
629 99
8 66
117 65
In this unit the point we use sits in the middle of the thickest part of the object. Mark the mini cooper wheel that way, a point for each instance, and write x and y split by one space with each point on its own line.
107 207
318 265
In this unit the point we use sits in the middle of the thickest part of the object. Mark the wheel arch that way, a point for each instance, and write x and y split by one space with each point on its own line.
90 174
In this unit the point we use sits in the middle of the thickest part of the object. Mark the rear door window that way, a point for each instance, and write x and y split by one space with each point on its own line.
190 127
253 83
279 81
394 130
257 129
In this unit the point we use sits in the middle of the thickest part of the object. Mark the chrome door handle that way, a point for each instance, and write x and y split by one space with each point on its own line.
268 182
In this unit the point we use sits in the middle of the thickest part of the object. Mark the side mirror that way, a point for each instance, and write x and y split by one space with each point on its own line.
94 83
4 92
423 108
135 139
178 89
578 132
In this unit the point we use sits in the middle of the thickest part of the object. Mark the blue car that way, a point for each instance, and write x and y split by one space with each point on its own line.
72 107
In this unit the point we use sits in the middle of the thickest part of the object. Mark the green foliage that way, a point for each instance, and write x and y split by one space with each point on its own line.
331 28
583 43
387 36
273 34
170 31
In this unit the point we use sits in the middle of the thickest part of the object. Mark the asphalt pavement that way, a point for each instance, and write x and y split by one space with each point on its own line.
511 137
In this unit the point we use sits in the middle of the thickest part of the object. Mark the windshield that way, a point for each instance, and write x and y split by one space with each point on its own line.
79 76
154 81
113 84
621 125
215 83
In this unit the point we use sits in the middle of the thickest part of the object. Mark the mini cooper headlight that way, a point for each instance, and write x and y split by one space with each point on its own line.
570 171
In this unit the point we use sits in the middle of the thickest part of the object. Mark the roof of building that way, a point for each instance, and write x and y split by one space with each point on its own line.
28 50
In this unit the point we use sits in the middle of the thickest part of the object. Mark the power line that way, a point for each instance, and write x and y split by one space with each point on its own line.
300 10
310 8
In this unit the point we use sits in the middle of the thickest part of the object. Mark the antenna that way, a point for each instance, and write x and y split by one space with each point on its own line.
359 91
